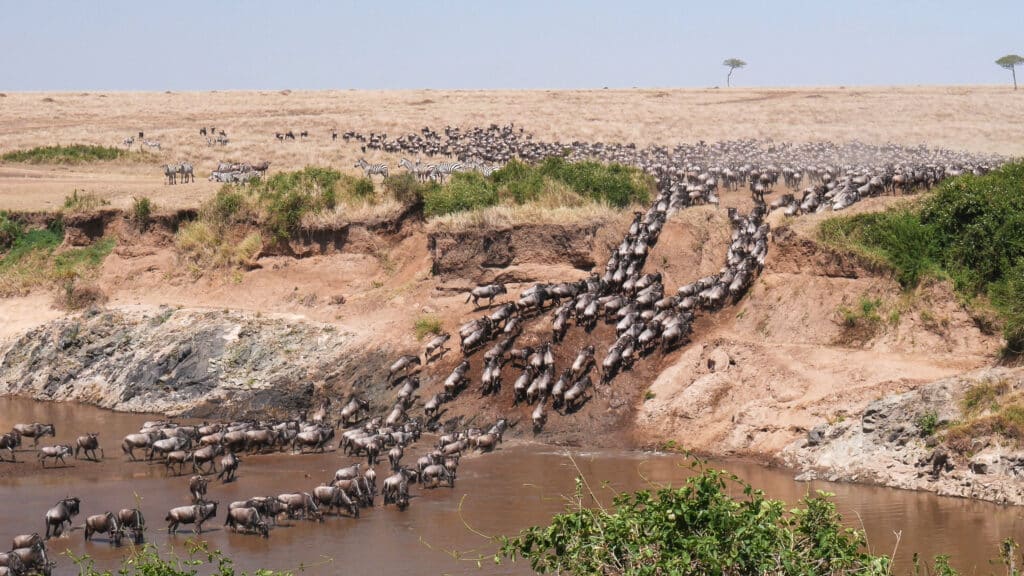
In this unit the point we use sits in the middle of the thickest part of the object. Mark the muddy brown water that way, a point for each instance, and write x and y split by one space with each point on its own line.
498 493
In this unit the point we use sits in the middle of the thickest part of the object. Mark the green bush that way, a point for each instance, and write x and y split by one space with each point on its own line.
10 231
362 189
1008 298
465 191
225 206
147 561
142 211
405 188
697 529
970 230
73 154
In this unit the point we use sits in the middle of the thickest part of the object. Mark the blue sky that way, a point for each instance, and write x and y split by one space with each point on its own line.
209 44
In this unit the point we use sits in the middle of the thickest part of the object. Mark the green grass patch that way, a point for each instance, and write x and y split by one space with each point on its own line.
33 261
426 326
552 183
983 396
971 230
10 231
72 154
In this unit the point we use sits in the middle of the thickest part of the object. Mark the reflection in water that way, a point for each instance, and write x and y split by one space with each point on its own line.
499 493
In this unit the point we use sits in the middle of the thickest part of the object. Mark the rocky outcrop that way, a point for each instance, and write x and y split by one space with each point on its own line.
897 441
198 363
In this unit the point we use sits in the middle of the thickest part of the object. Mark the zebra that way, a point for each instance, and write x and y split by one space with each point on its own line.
371 169
449 168
482 168
171 172
152 144
420 172
128 142
185 169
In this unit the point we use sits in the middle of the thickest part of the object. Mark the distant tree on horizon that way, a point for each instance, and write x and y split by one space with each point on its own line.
1010 62
732 63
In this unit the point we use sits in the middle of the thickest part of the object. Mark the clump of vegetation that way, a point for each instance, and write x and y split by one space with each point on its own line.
84 202
553 183
406 189
982 396
73 154
33 261
147 561
699 528
969 231
927 422
141 212
75 295
10 230
426 326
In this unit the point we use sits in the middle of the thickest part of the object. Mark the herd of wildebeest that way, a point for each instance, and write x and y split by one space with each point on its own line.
523 340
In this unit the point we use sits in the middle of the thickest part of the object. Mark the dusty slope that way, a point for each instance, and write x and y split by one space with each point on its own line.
785 360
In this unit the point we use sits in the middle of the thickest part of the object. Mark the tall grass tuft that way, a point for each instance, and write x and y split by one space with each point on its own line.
73 154
84 202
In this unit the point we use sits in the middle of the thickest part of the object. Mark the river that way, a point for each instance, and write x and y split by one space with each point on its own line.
499 493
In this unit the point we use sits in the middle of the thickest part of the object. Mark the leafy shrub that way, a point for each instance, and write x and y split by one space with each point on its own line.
697 529
971 230
927 422
1007 296
363 189
405 188
10 231
465 191
147 561
73 154
142 211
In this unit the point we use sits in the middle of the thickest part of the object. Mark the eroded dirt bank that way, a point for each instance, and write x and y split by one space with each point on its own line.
326 320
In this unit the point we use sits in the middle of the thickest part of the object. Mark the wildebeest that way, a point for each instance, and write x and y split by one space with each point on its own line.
403 363
301 503
436 344
35 431
197 487
104 524
88 444
195 514
247 519
132 519
489 291
57 452
228 467
334 498
9 442
63 511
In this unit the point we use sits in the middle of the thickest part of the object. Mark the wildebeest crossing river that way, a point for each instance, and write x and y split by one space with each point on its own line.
517 486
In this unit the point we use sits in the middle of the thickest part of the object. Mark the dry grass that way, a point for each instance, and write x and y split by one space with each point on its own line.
505 216
977 118
352 211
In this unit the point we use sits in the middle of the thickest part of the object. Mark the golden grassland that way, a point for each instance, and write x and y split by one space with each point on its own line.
974 118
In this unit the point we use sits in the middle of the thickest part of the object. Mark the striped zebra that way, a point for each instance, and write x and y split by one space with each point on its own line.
171 173
371 169
128 142
185 169
441 169
482 168
151 144
419 171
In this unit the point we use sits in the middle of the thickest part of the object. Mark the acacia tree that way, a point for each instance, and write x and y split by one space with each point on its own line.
1010 62
732 63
